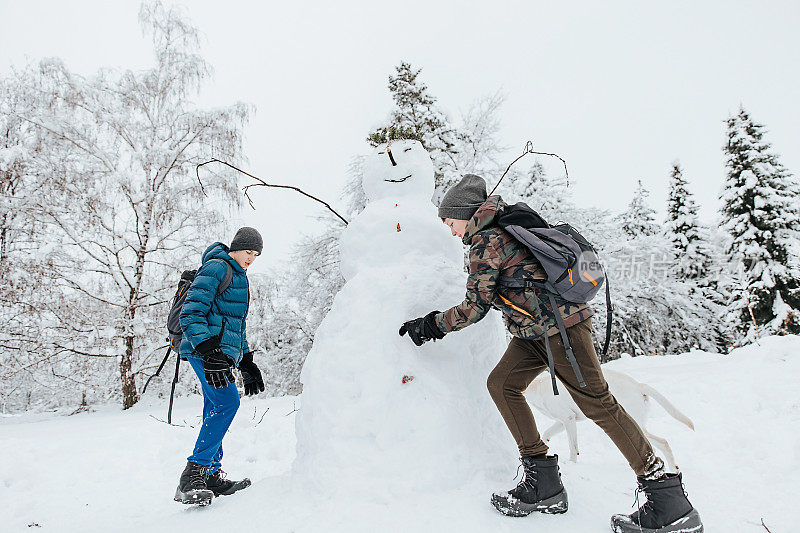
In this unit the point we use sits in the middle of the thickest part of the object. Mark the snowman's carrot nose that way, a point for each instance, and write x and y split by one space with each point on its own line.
391 157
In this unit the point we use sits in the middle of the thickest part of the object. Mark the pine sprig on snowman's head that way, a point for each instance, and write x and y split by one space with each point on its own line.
393 133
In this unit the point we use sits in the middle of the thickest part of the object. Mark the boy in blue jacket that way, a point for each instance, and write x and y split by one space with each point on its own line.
214 339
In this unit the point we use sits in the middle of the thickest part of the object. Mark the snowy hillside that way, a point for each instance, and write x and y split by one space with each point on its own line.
116 471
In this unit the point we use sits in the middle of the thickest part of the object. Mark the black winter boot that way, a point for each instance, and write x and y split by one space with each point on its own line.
667 509
540 490
221 486
192 487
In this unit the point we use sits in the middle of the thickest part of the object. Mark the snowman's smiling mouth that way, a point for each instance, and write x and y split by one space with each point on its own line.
400 180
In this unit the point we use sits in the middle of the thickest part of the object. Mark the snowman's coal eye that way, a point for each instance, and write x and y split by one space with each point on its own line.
407 149
381 153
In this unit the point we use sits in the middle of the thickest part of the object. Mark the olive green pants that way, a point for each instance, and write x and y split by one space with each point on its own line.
526 359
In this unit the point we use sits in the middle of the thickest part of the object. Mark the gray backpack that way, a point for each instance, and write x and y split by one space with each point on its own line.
574 272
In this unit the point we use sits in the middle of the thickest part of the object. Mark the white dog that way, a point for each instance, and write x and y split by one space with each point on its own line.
632 395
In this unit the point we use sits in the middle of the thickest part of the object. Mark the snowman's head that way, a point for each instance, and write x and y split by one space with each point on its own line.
398 168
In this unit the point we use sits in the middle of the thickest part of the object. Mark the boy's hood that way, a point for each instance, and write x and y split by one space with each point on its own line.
484 217
220 251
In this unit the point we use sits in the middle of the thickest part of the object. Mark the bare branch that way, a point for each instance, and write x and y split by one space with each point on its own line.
79 352
529 150
262 183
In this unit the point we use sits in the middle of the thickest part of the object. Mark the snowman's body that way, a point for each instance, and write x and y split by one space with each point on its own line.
375 406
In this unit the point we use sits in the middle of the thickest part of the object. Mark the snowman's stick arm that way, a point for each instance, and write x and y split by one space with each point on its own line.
262 183
529 150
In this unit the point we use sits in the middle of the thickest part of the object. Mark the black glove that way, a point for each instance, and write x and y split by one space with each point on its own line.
423 329
216 364
251 375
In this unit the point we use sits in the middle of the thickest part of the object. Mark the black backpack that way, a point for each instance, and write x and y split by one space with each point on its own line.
174 324
574 272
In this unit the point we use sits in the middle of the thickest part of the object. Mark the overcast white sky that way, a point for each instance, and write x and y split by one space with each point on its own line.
620 89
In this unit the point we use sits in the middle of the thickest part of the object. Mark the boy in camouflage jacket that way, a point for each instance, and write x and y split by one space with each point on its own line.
493 253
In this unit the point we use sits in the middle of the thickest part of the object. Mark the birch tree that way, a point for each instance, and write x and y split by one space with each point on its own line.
123 204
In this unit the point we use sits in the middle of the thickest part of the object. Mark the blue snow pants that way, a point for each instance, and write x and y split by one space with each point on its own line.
219 408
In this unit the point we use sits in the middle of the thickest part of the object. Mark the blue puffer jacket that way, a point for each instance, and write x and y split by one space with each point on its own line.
204 313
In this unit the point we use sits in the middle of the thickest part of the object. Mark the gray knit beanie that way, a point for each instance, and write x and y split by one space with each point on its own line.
464 198
247 239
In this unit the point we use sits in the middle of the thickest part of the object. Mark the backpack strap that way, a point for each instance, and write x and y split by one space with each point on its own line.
551 366
163 362
226 281
513 283
609 317
567 346
172 390
550 363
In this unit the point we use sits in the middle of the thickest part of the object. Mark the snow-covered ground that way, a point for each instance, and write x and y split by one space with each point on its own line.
116 471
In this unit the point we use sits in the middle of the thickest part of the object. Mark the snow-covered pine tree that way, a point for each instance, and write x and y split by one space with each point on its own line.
683 228
639 218
761 214
693 255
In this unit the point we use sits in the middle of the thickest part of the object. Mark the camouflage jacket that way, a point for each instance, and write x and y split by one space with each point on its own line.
493 253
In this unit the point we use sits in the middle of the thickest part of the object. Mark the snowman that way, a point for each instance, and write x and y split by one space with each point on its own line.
380 414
